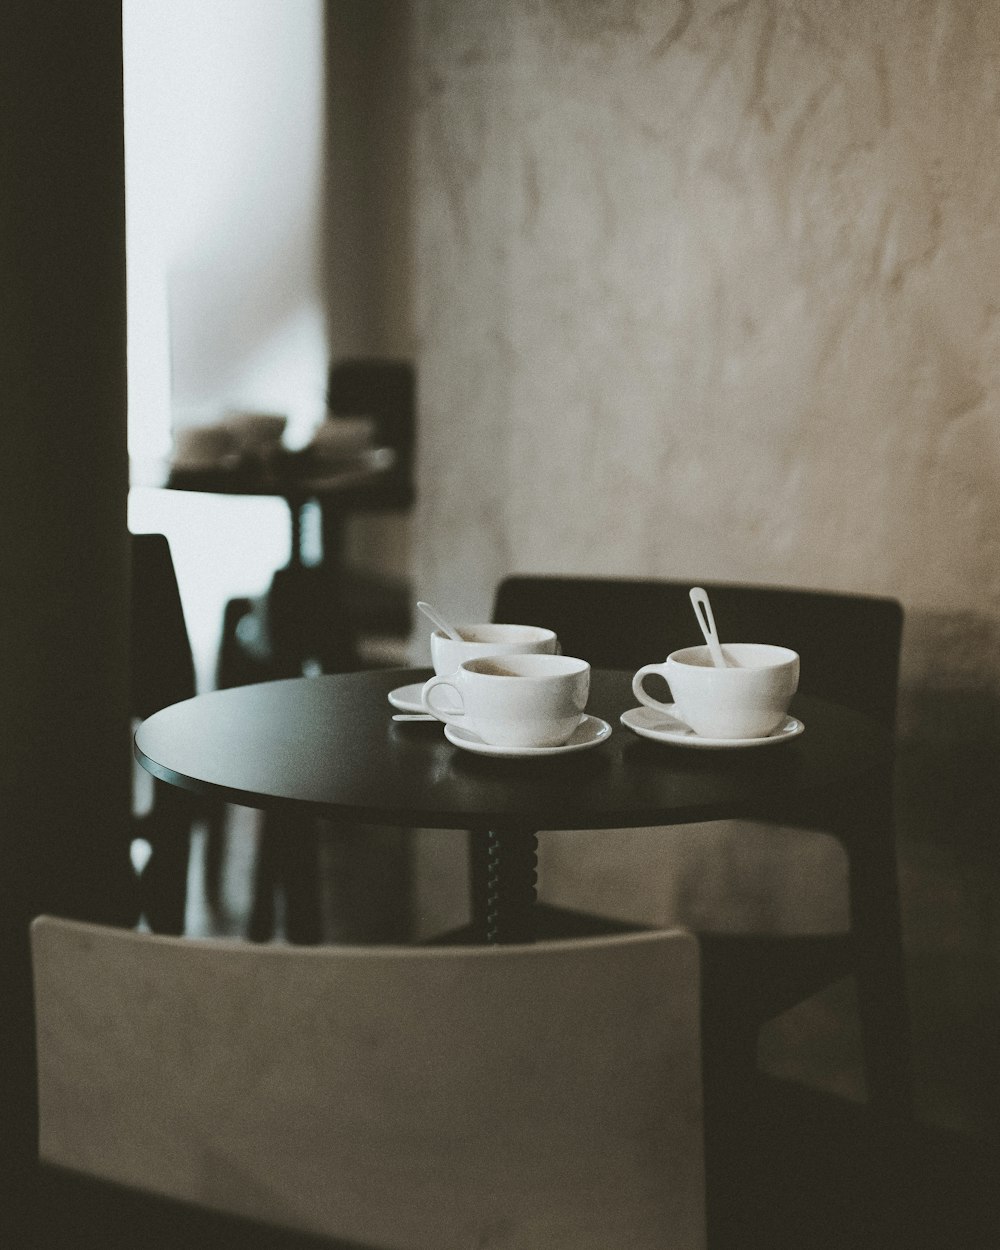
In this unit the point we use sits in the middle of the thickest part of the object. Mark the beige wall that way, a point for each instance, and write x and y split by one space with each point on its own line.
709 290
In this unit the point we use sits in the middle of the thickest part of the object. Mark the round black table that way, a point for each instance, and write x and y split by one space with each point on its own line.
291 476
327 746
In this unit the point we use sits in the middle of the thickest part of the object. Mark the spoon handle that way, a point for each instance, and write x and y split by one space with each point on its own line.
703 611
439 621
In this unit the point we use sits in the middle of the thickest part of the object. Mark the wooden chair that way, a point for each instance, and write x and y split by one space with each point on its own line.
781 913
162 673
420 1098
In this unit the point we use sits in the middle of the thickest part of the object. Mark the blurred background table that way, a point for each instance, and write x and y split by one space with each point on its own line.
305 614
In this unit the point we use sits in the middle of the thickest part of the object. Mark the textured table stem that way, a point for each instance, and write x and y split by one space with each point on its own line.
504 874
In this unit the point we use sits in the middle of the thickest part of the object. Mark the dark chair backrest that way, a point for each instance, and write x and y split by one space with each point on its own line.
849 644
162 666
386 391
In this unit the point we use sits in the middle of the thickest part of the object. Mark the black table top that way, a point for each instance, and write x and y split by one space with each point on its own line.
327 746
295 475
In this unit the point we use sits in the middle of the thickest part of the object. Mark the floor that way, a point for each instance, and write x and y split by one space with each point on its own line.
816 1176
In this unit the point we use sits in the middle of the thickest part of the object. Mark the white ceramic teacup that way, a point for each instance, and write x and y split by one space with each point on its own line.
748 699
514 700
480 640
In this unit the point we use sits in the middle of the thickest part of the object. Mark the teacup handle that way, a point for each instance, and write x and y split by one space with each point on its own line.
639 692
445 714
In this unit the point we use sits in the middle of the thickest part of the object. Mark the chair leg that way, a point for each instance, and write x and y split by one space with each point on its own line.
215 844
265 881
163 884
882 1001
287 861
861 816
885 1031
299 878
731 1117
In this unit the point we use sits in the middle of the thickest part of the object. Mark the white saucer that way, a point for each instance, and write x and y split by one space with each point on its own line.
590 731
407 698
662 727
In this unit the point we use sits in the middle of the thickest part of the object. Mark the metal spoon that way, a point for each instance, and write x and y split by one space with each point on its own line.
440 622
703 611
413 716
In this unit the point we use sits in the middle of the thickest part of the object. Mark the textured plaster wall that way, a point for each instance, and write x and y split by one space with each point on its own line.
710 290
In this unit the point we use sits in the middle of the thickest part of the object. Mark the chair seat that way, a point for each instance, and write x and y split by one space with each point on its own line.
723 877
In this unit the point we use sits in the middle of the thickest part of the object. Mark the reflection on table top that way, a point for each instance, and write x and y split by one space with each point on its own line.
328 745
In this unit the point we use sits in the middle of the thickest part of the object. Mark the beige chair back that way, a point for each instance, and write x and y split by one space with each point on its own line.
530 1098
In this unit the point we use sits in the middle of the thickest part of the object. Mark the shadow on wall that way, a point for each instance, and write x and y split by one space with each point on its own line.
947 799
948 783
